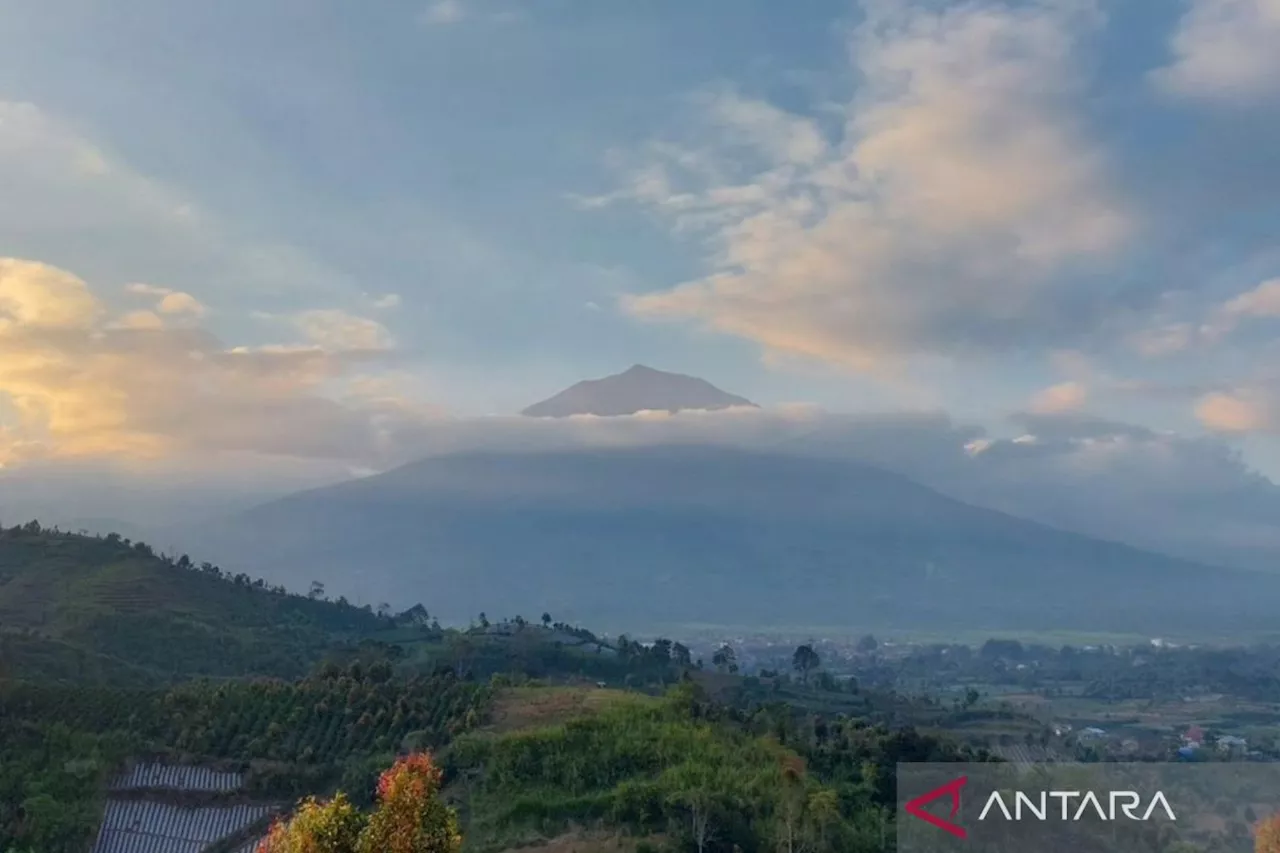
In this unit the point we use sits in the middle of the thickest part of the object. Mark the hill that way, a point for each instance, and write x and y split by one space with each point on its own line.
80 608
683 534
637 389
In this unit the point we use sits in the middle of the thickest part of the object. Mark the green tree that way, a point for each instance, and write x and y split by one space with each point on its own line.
694 790
805 660
725 659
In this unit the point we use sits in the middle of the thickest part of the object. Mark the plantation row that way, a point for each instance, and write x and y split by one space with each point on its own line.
317 720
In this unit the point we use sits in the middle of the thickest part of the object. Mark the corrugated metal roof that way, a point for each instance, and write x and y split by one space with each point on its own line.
177 778
137 826
250 846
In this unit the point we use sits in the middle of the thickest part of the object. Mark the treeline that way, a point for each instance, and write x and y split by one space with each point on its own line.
1107 672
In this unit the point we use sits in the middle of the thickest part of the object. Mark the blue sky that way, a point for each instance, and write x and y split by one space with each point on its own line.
396 209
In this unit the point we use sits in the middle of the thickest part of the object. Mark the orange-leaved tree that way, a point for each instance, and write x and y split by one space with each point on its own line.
332 826
410 817
1267 837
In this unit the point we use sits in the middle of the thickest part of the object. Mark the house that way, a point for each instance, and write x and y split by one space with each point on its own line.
1091 733
1194 735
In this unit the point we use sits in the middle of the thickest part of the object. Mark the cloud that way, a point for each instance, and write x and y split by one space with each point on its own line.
1063 397
1262 301
77 383
169 301
339 330
389 300
943 218
1240 411
444 12
1215 325
1225 50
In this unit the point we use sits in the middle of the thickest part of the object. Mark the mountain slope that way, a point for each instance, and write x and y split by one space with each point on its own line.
80 608
637 389
701 534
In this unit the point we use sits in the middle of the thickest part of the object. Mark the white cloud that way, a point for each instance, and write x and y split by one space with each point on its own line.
939 221
169 301
1262 301
388 300
181 303
1170 336
338 330
1225 50
444 12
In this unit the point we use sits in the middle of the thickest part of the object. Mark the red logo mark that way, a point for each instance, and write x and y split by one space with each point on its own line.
915 808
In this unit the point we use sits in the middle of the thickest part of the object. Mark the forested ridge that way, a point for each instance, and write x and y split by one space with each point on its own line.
161 658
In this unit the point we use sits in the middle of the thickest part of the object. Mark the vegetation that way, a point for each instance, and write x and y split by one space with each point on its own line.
409 817
544 731
705 776
81 609
1267 836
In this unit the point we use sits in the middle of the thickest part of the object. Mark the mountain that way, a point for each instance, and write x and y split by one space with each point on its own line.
637 389
697 534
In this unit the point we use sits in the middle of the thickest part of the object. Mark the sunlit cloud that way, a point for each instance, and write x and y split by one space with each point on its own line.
941 219
1063 397
80 383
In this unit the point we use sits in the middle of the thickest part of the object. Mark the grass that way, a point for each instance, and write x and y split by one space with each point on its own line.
523 708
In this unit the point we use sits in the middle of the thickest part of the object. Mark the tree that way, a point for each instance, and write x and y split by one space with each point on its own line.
725 659
317 827
410 817
694 791
546 620
1267 837
805 660
316 590
868 644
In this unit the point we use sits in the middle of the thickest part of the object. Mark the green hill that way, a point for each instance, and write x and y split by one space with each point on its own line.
106 610
112 654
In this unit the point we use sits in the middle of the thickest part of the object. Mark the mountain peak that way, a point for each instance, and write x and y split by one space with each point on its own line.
636 389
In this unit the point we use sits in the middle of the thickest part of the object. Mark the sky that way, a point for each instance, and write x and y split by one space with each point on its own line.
303 230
